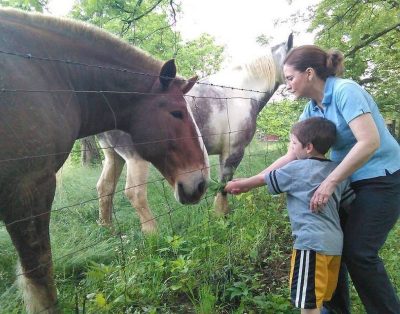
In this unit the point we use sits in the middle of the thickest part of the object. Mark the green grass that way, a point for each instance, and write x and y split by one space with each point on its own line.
197 263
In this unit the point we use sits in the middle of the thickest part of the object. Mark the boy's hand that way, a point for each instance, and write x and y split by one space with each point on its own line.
236 186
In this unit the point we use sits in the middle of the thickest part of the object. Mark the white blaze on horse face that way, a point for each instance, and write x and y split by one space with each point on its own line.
191 176
206 169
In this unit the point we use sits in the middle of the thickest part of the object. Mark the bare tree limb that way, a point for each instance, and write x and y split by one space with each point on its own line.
371 39
368 80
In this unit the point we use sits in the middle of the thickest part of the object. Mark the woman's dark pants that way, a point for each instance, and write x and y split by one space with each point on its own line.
366 226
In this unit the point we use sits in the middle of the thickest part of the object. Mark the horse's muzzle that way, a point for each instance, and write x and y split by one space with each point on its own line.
191 195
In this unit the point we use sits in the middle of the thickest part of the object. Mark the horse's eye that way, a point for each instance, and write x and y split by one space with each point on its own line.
177 114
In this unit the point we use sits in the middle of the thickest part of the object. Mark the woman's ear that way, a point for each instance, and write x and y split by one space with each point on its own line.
310 73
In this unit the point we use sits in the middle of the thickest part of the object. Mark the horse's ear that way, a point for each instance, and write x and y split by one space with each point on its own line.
167 73
189 84
289 43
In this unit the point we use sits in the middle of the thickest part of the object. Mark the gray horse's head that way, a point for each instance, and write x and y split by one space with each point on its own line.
279 53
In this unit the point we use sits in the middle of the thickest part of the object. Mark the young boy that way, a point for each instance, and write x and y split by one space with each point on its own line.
318 236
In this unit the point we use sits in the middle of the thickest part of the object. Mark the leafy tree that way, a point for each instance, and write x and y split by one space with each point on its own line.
263 40
367 32
149 24
201 56
278 117
27 5
143 23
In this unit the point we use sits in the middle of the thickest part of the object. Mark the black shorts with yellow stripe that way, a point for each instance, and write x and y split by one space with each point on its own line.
313 278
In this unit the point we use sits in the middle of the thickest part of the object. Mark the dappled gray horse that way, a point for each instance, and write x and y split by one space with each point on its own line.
59 81
227 121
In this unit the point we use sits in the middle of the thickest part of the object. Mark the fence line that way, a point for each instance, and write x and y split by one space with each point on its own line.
101 240
76 63
107 195
171 209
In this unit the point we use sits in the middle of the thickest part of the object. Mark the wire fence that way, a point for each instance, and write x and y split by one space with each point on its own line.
165 209
71 91
171 207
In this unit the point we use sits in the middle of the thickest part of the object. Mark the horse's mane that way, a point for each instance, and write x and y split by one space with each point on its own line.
80 29
263 68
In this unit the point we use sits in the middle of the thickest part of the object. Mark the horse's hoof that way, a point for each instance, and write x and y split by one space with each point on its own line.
221 207
149 227
103 223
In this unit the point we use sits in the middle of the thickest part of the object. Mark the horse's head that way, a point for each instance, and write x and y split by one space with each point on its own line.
279 53
165 133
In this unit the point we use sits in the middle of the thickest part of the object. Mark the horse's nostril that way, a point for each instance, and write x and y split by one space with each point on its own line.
201 187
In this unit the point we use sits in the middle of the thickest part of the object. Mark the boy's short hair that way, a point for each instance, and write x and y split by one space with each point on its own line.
316 130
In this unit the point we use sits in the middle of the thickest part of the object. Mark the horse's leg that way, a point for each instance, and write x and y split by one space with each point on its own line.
136 191
28 226
228 165
112 168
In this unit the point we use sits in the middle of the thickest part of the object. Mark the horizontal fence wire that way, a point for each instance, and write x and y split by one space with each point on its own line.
108 195
171 209
102 67
88 246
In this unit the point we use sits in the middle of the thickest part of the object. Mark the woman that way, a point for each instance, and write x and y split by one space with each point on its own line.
369 155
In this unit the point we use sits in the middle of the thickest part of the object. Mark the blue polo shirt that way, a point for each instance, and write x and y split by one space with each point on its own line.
343 101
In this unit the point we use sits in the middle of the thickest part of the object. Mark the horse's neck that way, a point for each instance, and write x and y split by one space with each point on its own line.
87 58
251 83
107 111
96 118
112 95
83 60
110 73
264 98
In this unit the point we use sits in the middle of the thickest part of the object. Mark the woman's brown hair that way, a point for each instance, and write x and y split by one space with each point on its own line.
325 63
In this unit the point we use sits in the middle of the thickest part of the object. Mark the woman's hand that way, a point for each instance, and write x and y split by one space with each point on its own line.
321 195
366 133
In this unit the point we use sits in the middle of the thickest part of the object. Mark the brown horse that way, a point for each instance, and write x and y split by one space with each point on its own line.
227 121
59 81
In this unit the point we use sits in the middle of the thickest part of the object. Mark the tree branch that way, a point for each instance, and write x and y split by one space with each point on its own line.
368 80
133 13
339 19
148 11
371 39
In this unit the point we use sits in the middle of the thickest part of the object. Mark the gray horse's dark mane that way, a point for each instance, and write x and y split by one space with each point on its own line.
80 29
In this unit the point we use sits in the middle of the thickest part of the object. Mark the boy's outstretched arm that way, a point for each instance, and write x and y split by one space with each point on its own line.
242 185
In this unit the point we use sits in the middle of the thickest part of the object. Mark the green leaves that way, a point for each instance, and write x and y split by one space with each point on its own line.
215 187
367 32
200 56
27 5
149 25
278 117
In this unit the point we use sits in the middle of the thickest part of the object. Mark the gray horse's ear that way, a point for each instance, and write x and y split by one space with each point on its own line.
167 73
289 43
189 84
